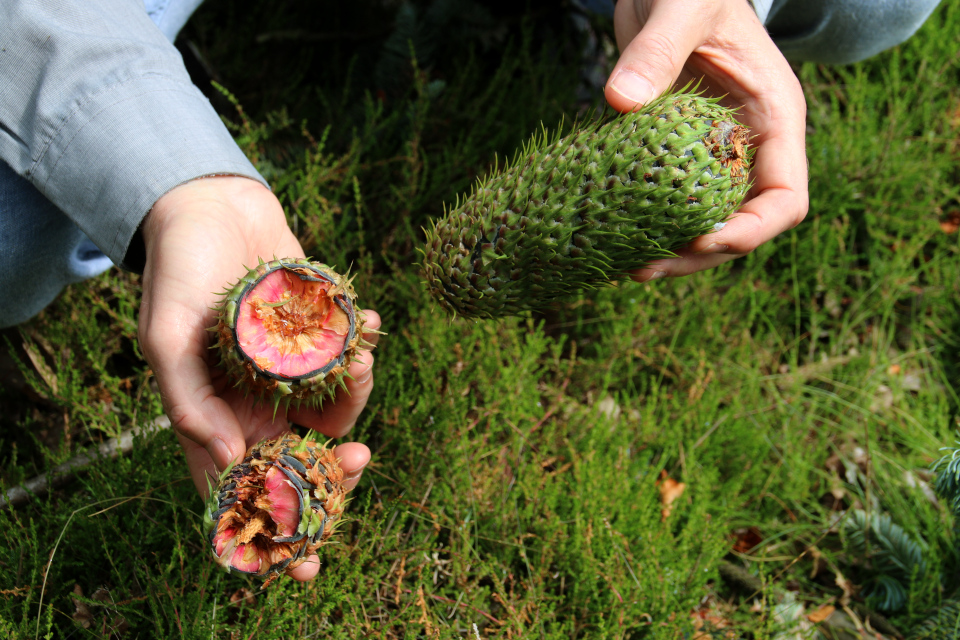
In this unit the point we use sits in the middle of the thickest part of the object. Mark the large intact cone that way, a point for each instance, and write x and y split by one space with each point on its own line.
576 212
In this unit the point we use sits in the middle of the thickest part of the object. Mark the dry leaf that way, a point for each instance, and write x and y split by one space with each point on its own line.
43 369
821 614
709 623
119 625
102 595
82 613
819 564
670 490
951 223
747 539
243 595
846 586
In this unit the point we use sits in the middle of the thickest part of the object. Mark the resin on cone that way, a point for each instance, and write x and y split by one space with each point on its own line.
270 512
288 330
577 212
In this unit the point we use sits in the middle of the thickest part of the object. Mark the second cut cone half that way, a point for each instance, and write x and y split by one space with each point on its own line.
279 505
288 330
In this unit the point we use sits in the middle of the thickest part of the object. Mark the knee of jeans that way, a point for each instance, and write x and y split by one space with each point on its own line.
843 31
41 250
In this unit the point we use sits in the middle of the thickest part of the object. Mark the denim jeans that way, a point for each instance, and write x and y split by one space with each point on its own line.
42 251
843 31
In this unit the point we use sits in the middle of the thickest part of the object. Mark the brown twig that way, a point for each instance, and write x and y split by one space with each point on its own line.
466 606
113 447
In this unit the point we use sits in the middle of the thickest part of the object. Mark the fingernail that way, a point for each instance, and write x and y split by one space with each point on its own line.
632 87
356 474
716 247
657 275
365 377
220 453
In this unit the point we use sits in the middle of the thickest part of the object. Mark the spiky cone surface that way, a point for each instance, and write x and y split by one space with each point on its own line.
288 330
270 512
579 211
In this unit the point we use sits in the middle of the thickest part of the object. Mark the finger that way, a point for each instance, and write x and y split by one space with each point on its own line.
200 415
190 400
758 221
371 326
653 59
683 265
353 458
202 470
338 417
306 571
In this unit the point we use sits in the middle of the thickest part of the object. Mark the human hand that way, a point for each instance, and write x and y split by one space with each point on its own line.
198 238
723 45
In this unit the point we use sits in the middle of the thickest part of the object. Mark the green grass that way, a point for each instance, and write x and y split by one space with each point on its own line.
517 464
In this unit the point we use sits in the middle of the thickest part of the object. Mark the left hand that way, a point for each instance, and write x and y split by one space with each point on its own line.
198 238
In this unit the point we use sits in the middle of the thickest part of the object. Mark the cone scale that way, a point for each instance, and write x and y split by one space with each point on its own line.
577 212
288 330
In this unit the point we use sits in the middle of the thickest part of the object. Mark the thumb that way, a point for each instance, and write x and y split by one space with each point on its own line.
654 52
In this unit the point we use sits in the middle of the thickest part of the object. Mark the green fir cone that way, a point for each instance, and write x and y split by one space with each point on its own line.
580 211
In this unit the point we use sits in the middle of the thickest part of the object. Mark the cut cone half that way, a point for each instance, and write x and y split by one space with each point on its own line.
276 508
288 330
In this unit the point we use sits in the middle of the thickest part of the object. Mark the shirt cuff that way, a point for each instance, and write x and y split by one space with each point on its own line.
128 145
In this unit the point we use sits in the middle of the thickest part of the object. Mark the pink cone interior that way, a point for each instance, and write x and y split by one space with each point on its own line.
223 539
246 558
302 333
284 502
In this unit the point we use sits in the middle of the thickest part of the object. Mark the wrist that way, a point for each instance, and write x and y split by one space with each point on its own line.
225 196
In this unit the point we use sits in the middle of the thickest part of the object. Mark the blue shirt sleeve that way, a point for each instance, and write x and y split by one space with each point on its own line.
98 112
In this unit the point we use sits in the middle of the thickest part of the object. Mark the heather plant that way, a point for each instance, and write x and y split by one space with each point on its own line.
717 455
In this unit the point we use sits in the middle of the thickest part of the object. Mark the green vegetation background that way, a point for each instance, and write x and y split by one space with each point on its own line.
515 488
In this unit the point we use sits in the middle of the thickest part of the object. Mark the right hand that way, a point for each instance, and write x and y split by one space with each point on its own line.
721 44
